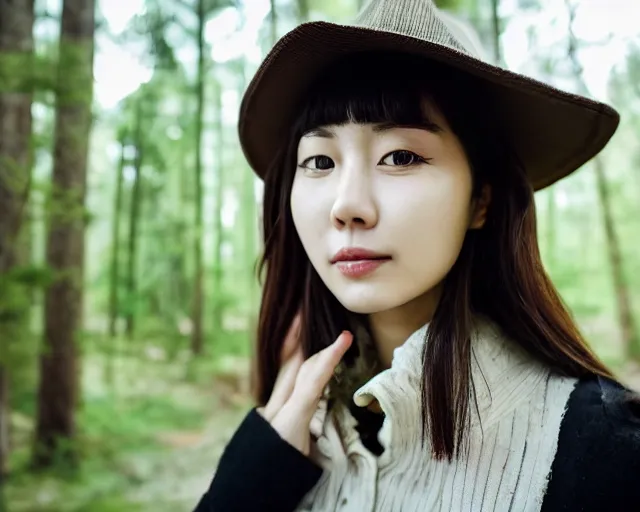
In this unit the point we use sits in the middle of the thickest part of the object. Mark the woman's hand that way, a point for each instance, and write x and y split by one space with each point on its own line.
300 385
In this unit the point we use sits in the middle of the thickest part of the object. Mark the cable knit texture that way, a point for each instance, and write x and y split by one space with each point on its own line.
512 437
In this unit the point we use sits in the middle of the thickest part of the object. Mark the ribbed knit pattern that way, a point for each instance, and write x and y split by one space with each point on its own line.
511 444
414 18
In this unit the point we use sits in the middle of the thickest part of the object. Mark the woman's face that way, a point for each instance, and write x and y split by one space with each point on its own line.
382 211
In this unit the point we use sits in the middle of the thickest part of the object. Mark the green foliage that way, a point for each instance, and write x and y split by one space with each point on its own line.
103 435
152 26
335 10
129 399
453 5
116 437
17 287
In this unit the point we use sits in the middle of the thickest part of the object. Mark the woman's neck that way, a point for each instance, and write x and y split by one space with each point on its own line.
392 327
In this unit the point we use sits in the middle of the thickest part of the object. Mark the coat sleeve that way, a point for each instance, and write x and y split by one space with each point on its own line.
597 465
259 471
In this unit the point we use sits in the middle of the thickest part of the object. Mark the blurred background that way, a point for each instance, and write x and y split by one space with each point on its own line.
129 226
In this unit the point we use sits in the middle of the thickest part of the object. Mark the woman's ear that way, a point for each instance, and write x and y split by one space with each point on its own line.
480 208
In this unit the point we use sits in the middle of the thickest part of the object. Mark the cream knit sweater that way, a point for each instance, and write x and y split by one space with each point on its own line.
512 438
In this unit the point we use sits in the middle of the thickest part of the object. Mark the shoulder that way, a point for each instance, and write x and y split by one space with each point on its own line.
259 470
597 463
606 413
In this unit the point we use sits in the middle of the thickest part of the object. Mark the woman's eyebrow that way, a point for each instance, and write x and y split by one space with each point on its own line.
327 133
324 133
429 126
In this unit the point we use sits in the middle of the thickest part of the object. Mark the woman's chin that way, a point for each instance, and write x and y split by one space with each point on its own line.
365 302
370 297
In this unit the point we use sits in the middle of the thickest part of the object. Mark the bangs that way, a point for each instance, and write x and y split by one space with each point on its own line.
370 89
394 89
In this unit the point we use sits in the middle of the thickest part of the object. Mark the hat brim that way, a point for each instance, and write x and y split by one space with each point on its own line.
553 132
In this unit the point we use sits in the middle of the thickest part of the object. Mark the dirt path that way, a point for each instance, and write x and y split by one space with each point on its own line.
177 479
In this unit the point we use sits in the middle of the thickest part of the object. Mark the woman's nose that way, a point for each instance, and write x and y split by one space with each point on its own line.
354 205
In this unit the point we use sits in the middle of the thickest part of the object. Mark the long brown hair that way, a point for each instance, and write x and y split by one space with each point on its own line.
498 274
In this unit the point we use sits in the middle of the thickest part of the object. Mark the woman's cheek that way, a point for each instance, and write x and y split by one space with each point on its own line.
430 223
310 216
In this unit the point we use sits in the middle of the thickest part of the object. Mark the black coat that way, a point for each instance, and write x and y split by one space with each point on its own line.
596 467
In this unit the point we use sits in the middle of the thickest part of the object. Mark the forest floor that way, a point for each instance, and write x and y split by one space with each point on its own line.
172 477
184 471
151 445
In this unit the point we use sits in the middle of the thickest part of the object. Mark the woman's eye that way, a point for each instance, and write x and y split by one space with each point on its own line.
401 158
317 163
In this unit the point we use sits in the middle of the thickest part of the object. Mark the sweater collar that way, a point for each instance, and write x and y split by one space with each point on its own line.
503 376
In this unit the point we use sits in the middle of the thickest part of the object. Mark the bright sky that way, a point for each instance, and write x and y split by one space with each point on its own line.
110 87
596 21
222 32
118 71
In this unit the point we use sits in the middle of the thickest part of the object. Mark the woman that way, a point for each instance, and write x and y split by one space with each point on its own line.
412 353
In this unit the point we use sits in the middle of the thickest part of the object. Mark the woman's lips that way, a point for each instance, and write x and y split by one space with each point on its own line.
358 262
359 268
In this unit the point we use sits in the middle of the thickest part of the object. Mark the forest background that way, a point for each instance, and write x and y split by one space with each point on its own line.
129 226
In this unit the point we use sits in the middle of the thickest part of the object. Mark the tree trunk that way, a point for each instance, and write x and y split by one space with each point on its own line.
551 227
219 230
495 25
180 284
16 54
625 312
4 423
250 209
273 22
114 278
198 285
628 331
251 234
134 218
303 12
59 364
183 282
115 246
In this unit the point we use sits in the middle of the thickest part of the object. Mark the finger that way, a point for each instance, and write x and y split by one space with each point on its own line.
331 356
315 373
284 385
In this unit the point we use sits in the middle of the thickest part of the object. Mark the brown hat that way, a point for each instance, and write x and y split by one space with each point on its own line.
553 132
